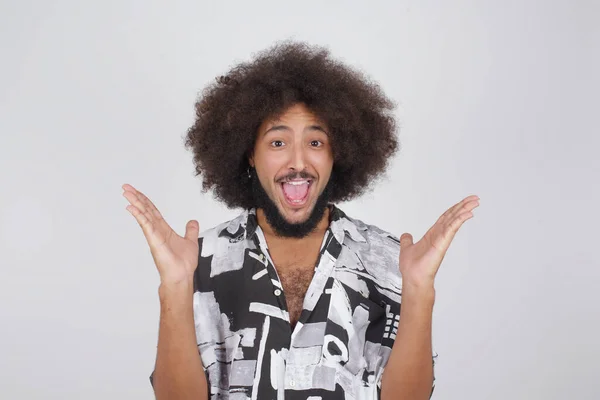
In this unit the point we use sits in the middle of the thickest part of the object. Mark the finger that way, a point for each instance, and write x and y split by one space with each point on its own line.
465 203
191 230
468 206
141 219
153 225
406 240
449 211
455 225
136 201
150 206
150 210
127 186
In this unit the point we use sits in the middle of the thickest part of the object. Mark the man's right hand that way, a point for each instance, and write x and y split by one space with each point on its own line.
176 257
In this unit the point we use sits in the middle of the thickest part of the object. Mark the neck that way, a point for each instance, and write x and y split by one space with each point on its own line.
268 230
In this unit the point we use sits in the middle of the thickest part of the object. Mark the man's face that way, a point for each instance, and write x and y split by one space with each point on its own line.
293 161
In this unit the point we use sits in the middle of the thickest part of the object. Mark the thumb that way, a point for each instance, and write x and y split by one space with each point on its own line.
191 230
406 240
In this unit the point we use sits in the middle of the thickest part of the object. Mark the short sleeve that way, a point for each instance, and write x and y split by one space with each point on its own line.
433 362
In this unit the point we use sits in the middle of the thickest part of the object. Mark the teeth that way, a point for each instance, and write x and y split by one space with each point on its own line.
297 183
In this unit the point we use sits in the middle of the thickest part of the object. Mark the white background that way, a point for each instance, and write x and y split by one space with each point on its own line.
498 99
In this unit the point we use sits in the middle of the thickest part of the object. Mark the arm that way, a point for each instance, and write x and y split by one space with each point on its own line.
409 371
178 372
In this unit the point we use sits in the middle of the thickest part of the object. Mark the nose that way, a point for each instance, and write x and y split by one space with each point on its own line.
297 159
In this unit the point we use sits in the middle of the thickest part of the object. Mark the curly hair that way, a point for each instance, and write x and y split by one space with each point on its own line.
359 116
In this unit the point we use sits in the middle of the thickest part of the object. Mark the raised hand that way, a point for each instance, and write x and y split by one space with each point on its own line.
175 257
419 262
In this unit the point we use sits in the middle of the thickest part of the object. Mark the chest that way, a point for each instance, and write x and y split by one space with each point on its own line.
295 285
295 271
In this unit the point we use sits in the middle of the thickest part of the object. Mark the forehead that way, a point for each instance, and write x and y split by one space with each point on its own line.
296 114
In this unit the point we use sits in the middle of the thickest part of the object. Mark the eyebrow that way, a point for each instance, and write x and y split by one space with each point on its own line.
287 128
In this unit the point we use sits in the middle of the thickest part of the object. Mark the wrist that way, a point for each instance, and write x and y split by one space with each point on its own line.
176 279
181 288
418 293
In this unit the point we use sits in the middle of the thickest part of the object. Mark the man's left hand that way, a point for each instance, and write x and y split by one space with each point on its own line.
419 262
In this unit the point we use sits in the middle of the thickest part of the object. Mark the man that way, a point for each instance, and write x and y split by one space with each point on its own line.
293 298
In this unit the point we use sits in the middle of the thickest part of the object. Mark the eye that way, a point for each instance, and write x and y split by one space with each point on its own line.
277 143
316 143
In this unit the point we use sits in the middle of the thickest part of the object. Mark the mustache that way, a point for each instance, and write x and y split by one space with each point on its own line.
295 175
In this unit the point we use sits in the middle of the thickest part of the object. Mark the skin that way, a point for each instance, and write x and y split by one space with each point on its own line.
296 142
178 372
408 374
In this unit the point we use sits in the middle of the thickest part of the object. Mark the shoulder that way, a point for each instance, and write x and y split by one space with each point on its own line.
376 250
371 237
223 234
222 250
374 235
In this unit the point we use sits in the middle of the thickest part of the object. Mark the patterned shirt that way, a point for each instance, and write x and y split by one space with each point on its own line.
342 341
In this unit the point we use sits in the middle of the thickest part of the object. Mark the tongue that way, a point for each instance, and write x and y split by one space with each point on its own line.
295 192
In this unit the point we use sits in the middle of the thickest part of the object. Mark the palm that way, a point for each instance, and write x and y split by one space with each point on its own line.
176 257
419 262
168 248
414 258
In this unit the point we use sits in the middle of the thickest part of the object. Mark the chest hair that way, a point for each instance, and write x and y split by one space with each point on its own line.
295 282
295 262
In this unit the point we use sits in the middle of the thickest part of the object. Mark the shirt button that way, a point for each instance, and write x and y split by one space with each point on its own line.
277 292
292 383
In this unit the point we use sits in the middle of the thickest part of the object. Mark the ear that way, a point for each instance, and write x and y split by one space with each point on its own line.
251 159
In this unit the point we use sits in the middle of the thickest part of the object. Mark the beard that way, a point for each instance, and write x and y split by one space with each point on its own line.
280 225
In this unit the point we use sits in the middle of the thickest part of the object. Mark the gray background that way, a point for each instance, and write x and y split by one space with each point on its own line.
498 99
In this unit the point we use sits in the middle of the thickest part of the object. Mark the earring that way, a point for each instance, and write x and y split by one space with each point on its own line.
249 174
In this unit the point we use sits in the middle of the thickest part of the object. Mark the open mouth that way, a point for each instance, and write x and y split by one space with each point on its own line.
295 192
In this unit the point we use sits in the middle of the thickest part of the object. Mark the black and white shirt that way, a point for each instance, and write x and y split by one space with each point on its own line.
344 337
